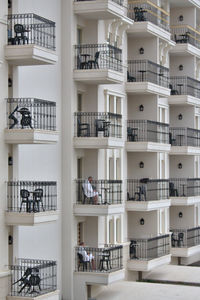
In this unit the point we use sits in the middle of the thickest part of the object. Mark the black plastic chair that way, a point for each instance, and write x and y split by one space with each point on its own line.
173 91
103 126
19 34
94 62
172 140
180 239
139 14
81 64
37 199
141 194
133 250
83 263
172 191
25 194
105 261
130 78
26 119
131 136
83 127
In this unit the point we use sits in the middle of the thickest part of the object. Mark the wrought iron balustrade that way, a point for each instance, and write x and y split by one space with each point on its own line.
32 277
150 248
184 85
31 113
181 136
31 29
99 192
97 124
183 34
146 189
98 56
145 70
184 187
141 11
147 131
185 238
31 196
105 260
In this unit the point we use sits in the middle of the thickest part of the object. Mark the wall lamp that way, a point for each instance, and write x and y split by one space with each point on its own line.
9 3
141 164
9 82
141 108
180 67
10 161
142 221
180 165
180 214
180 18
10 240
141 50
180 117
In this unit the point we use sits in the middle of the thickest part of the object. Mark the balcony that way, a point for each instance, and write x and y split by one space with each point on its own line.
148 136
185 242
149 19
184 191
101 9
185 141
187 40
184 90
104 265
31 40
147 254
97 130
147 77
147 194
31 202
98 64
30 121
33 278
101 197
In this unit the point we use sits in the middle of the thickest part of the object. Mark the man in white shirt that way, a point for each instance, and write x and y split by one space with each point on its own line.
87 257
89 191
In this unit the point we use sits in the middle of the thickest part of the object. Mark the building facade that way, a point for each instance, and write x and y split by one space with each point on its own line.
100 143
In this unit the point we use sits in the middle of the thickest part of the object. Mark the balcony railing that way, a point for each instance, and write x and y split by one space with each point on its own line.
150 248
31 113
119 2
141 11
31 196
184 85
184 187
145 70
98 56
97 124
147 131
183 34
185 238
98 192
31 29
105 260
184 136
33 277
146 189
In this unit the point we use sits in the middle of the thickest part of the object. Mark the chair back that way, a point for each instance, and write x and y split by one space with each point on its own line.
170 86
180 236
19 28
96 57
142 189
24 194
171 186
38 194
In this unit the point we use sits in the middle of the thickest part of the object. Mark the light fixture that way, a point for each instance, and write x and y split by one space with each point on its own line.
10 240
180 18
9 82
180 165
10 160
9 3
180 214
142 221
141 50
180 116
141 108
180 67
141 164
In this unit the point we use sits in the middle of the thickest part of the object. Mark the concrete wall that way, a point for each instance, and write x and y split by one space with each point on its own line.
188 219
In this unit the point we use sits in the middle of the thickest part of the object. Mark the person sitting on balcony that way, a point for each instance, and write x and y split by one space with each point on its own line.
87 257
89 190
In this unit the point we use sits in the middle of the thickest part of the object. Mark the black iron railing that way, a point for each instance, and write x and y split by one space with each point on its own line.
184 85
147 131
183 34
184 187
141 11
150 248
31 113
145 70
98 56
97 124
98 192
146 189
31 29
184 136
31 277
107 259
31 196
119 2
185 238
